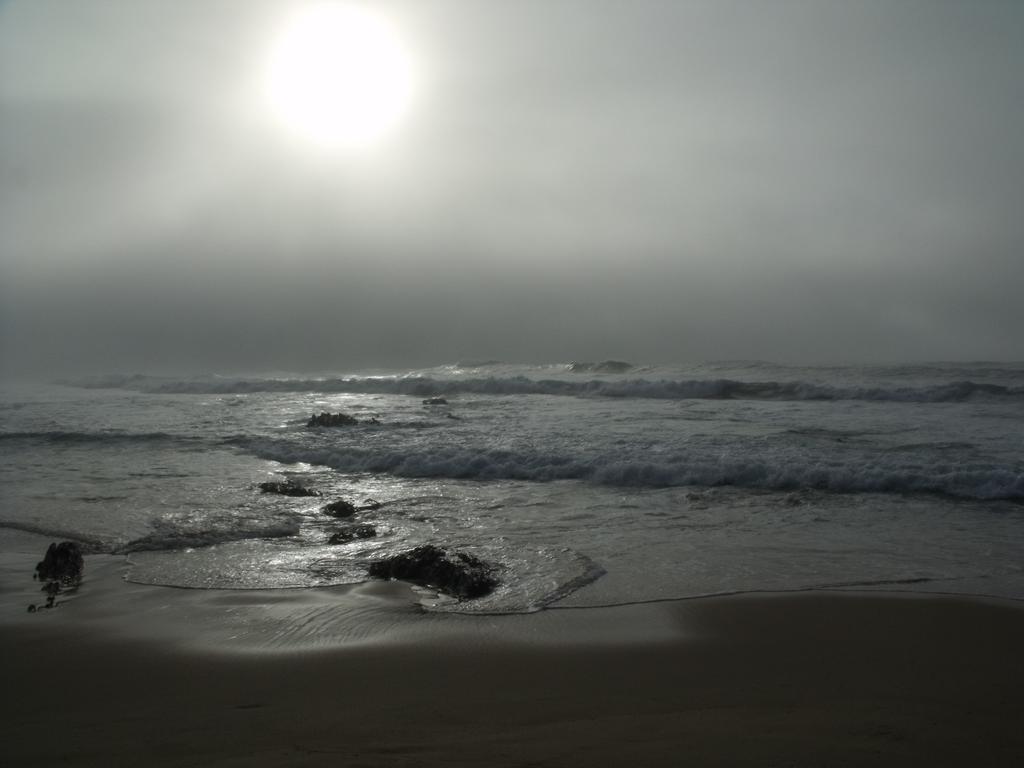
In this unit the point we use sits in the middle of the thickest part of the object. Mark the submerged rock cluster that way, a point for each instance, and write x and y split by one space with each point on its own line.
451 572
352 532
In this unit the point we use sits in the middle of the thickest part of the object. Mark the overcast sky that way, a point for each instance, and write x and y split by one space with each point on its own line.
651 181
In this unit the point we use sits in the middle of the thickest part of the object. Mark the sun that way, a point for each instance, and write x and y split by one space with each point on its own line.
338 76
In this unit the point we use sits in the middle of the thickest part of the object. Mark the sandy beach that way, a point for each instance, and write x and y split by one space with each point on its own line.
813 679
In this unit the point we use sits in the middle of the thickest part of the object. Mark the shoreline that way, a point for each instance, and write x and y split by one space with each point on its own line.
362 676
295 619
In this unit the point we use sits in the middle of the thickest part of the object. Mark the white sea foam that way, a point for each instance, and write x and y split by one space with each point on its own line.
889 474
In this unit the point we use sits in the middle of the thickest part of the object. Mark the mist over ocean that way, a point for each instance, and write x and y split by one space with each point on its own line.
586 484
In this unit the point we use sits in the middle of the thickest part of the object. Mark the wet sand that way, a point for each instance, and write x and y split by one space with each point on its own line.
814 679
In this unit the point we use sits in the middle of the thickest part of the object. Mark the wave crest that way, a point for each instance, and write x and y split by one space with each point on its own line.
876 475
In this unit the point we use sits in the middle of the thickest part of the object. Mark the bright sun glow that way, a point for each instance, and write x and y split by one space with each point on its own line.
339 76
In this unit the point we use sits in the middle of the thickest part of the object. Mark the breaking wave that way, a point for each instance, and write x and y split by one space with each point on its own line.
868 475
664 389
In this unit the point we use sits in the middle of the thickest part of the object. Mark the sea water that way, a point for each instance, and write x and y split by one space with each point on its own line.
583 484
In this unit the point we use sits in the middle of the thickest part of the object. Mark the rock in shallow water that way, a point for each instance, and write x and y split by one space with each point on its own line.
326 419
454 573
340 508
287 488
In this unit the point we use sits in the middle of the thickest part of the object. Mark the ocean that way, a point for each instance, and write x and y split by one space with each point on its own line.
583 484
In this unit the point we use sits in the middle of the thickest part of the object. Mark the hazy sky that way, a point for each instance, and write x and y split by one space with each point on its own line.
651 181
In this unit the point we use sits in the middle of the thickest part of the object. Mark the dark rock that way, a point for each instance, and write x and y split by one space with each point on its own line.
454 573
326 419
61 567
340 508
287 488
435 401
346 535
